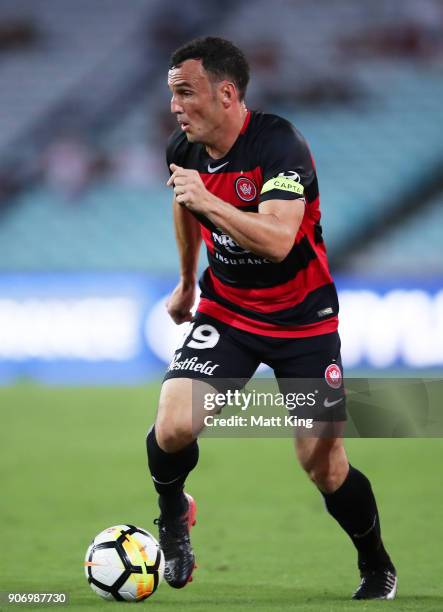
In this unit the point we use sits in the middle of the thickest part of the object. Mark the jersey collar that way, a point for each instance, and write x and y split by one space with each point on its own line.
246 123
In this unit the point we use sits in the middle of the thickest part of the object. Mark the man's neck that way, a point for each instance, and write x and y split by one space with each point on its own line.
228 134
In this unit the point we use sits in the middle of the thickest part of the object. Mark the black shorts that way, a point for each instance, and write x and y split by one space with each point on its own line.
227 357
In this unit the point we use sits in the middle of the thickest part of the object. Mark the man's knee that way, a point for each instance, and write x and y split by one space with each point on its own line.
326 464
327 476
174 435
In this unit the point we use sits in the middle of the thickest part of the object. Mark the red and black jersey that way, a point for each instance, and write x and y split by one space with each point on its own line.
270 160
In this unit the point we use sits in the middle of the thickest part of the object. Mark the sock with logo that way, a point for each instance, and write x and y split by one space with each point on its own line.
169 472
354 507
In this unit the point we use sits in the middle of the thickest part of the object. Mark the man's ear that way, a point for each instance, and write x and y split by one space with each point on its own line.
228 93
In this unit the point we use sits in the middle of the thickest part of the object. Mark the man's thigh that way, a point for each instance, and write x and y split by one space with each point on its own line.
212 357
313 366
181 411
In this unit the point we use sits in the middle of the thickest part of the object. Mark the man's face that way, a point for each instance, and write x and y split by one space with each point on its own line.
195 101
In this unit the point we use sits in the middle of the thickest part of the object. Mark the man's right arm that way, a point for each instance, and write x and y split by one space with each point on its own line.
188 238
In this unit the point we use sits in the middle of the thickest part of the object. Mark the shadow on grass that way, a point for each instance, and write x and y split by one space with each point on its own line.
264 598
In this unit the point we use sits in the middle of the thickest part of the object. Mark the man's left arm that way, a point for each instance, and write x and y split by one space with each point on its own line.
270 233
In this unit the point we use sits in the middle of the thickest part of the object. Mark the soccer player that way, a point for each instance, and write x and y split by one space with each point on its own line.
246 183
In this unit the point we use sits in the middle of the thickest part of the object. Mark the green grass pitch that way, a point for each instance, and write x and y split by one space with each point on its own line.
73 462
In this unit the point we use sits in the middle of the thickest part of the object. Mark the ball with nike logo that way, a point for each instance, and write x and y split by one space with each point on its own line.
124 563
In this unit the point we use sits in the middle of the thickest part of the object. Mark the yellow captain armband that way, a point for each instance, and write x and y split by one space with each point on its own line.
285 184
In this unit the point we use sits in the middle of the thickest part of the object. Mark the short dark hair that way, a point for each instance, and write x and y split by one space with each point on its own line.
220 58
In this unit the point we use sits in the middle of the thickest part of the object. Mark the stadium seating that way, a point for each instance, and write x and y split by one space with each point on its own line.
413 248
110 227
369 153
76 40
369 158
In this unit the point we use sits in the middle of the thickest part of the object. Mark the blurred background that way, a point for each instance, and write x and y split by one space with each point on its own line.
87 258
87 250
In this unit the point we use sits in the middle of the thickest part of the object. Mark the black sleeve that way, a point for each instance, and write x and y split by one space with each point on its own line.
286 163
175 149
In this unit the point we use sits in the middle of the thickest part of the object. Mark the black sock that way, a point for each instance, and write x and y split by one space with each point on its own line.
169 472
354 507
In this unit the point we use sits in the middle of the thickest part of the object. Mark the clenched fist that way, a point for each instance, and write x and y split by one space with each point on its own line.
180 303
189 189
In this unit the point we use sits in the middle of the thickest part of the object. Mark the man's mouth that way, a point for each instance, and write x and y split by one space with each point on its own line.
184 125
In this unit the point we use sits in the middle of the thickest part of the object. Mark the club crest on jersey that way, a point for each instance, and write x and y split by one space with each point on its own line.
246 189
333 376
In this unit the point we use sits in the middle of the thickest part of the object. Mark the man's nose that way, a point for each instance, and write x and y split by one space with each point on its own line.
175 106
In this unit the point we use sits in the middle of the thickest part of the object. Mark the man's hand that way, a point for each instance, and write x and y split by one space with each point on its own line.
189 189
180 302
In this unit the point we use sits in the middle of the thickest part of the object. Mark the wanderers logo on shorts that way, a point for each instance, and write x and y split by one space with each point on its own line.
333 376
